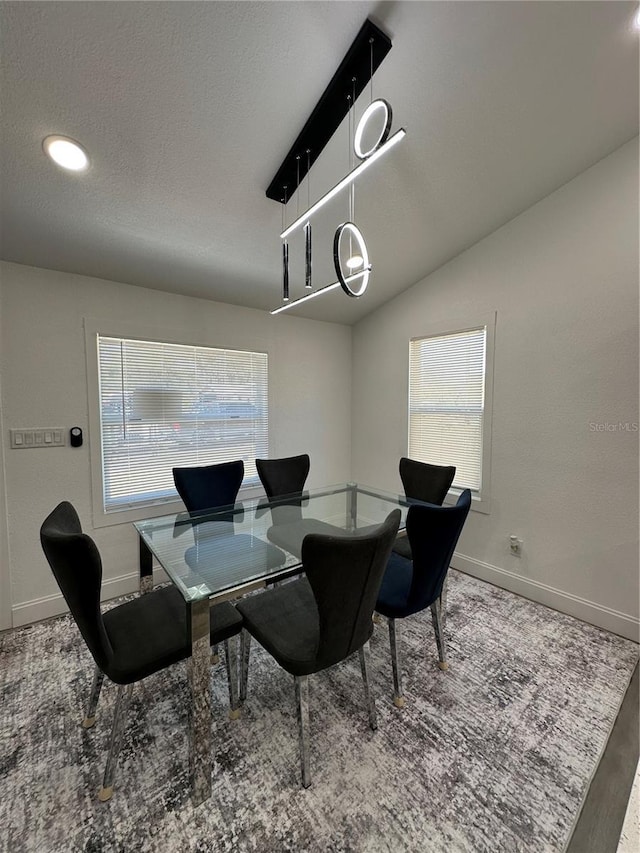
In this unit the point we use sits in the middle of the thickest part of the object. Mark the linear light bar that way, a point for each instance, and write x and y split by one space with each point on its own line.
315 293
348 179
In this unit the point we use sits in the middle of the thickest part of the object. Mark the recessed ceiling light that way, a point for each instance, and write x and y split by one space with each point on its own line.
636 21
66 153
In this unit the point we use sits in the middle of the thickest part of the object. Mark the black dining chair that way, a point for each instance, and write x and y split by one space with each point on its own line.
285 476
203 490
319 621
283 481
410 586
422 482
206 487
132 640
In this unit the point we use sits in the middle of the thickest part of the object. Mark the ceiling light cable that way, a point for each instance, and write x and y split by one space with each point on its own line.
354 260
352 130
349 151
344 182
371 69
307 229
285 253
353 186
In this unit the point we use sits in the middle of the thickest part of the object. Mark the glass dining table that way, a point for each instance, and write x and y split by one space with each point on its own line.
222 554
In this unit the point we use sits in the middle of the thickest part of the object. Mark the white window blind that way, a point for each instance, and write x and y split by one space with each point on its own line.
446 403
169 405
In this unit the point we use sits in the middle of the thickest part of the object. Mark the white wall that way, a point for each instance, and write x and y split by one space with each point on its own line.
44 383
563 278
5 578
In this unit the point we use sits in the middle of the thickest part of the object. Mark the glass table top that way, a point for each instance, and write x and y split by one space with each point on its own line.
215 553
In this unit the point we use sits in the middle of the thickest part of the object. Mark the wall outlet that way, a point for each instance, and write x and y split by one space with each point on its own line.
515 545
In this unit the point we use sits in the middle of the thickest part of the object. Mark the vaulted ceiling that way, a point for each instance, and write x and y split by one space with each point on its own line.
188 109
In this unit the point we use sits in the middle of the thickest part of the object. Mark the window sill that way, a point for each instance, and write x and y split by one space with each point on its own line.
128 516
479 503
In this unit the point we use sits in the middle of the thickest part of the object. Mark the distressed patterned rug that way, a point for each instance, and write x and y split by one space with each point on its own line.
494 755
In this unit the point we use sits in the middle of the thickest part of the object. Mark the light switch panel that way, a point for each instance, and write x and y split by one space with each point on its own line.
45 437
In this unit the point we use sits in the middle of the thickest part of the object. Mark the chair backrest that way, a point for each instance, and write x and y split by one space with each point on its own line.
345 574
209 486
433 533
283 476
77 567
424 482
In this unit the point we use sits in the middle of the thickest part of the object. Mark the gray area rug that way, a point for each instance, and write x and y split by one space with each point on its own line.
494 755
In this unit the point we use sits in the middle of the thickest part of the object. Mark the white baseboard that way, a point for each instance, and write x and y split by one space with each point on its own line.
54 605
588 611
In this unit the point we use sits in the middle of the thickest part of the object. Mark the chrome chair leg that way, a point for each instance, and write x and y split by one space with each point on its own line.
215 654
443 601
96 687
437 627
119 717
231 658
398 698
245 651
302 701
371 702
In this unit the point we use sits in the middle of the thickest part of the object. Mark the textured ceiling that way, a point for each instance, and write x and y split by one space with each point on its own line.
187 110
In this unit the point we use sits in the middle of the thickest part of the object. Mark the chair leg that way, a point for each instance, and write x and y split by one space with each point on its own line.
437 627
215 654
398 698
302 701
120 713
90 718
443 602
231 658
245 651
371 702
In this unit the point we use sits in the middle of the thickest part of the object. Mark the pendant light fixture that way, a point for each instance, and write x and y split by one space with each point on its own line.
350 254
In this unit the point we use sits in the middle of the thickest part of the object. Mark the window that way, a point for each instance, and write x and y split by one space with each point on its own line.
165 405
449 404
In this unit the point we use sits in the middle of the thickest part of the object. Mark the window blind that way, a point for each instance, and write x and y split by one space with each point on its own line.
446 403
168 405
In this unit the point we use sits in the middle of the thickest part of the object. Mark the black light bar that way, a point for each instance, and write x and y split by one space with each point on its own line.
368 50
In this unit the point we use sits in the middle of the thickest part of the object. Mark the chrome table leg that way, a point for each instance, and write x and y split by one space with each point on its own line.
199 710
146 566
231 658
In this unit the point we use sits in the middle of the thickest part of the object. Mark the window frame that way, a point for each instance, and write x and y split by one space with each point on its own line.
481 500
93 328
